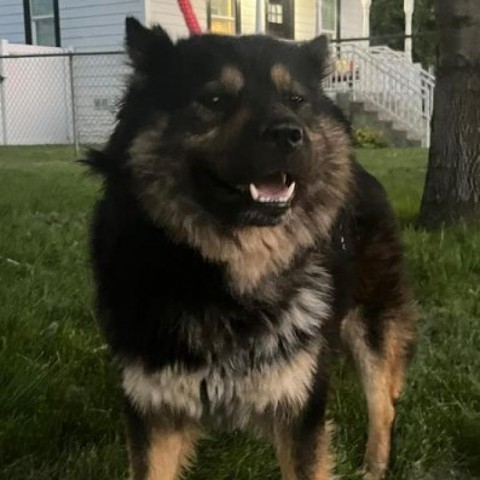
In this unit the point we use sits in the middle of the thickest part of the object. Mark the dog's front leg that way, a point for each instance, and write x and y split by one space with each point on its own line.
157 451
305 455
303 443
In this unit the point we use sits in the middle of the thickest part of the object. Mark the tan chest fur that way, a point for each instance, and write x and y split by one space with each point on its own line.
208 391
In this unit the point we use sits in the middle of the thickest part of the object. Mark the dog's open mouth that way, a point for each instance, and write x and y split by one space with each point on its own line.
277 188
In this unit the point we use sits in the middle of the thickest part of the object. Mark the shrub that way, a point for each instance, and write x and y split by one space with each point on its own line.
369 138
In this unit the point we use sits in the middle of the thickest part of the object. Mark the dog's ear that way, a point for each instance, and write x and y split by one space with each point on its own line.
318 51
147 47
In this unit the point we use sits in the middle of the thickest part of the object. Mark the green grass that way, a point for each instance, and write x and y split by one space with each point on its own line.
60 415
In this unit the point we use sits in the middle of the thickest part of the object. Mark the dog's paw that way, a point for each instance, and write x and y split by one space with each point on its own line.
373 472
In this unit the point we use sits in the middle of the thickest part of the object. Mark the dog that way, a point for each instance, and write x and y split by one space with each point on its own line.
237 246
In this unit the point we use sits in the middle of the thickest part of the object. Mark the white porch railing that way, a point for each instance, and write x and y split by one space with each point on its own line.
388 81
402 62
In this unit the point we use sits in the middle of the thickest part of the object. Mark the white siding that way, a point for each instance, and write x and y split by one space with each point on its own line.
12 27
167 13
94 25
352 19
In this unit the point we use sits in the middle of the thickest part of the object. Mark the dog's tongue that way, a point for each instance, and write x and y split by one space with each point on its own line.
272 186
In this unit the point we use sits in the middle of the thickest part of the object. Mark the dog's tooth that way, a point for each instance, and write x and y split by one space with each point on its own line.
290 191
284 177
254 192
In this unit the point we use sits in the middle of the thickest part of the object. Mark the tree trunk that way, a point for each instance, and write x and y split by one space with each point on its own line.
452 187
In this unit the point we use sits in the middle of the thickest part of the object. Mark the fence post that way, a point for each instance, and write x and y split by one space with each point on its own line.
73 107
3 104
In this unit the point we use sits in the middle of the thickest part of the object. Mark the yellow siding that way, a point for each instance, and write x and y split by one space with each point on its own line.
305 19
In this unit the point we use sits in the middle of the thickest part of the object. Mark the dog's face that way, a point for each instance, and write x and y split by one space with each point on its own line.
237 127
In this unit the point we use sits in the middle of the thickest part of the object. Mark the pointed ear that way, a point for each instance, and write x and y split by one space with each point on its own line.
318 50
145 46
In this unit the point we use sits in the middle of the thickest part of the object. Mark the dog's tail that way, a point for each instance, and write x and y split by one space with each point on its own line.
97 161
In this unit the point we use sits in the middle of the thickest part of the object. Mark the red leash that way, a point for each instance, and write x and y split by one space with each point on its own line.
190 17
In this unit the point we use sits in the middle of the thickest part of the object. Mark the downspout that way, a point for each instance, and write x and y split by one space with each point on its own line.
189 17
339 21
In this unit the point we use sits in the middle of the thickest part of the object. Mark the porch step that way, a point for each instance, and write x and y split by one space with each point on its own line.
363 114
385 117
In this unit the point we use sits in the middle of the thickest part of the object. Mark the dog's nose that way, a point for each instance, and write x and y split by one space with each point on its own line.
286 136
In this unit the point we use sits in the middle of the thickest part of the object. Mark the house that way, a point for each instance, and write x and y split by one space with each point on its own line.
375 85
90 25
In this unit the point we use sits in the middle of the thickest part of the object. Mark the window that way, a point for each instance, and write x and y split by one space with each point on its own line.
274 13
41 22
223 17
329 16
280 18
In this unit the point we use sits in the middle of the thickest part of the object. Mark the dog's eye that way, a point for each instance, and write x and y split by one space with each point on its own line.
296 99
214 101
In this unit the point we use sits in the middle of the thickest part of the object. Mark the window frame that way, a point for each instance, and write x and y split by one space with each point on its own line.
236 16
30 26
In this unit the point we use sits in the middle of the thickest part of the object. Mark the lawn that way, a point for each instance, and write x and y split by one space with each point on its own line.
60 415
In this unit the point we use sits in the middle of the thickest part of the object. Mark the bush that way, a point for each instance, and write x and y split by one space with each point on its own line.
369 138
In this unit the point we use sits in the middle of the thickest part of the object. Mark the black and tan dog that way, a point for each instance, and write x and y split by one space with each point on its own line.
236 240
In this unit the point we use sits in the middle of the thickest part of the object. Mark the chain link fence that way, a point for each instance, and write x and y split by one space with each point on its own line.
60 98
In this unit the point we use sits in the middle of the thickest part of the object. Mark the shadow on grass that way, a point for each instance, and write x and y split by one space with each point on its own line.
466 442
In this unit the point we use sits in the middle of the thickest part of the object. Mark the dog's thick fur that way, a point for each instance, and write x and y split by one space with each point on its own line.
223 310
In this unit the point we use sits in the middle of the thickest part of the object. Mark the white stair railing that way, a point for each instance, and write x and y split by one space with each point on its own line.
387 81
402 62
